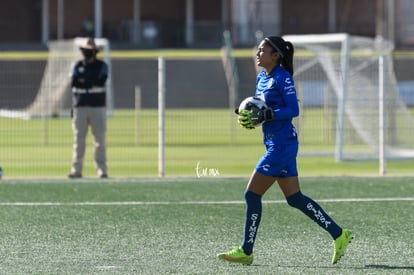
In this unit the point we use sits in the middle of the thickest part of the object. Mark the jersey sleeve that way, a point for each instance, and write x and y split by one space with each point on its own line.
290 108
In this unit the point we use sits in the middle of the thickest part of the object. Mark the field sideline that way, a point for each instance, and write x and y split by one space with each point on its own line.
132 203
178 225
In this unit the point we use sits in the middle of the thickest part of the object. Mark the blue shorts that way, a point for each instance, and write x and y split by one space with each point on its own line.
279 161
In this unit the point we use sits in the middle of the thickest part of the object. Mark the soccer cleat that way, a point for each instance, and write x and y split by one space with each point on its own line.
340 245
236 255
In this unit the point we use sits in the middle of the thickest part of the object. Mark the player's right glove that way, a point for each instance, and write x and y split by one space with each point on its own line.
245 119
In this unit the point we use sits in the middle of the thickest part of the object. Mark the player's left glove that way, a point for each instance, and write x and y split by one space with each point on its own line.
245 119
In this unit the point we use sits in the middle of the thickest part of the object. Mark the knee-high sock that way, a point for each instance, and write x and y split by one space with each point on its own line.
315 212
252 220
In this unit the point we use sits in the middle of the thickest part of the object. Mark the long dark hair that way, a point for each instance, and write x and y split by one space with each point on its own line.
285 49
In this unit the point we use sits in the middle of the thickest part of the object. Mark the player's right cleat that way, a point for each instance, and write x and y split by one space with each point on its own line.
340 245
236 255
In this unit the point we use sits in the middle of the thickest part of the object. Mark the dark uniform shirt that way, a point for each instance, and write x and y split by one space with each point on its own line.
278 91
88 83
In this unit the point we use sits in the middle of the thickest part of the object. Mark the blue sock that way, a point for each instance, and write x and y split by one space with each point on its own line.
315 212
252 221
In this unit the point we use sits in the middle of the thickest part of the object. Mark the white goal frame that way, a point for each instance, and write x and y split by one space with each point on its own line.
342 87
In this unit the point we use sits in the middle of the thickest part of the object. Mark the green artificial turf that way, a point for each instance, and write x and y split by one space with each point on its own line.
178 225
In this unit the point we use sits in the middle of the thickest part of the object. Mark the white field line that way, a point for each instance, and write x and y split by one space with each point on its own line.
132 203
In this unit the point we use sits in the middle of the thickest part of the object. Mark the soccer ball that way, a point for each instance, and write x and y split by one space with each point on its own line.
256 106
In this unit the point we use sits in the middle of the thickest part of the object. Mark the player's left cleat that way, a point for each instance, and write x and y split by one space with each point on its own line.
236 255
340 245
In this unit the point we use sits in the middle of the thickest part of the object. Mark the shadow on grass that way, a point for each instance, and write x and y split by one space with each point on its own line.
372 266
389 267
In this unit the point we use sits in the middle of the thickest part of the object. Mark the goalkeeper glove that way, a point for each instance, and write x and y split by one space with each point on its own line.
245 119
266 114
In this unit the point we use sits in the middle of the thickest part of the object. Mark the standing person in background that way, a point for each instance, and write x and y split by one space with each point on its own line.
89 76
275 86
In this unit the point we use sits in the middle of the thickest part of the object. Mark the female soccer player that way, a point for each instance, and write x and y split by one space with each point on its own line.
275 86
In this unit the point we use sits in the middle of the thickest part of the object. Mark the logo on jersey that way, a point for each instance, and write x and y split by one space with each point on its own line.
289 88
288 81
266 167
270 83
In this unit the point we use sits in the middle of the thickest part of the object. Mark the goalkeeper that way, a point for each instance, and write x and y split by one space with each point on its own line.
274 85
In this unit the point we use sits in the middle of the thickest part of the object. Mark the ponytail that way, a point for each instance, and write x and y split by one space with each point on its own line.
287 60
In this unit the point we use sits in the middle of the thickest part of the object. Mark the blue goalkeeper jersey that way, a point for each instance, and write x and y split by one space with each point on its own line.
278 91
